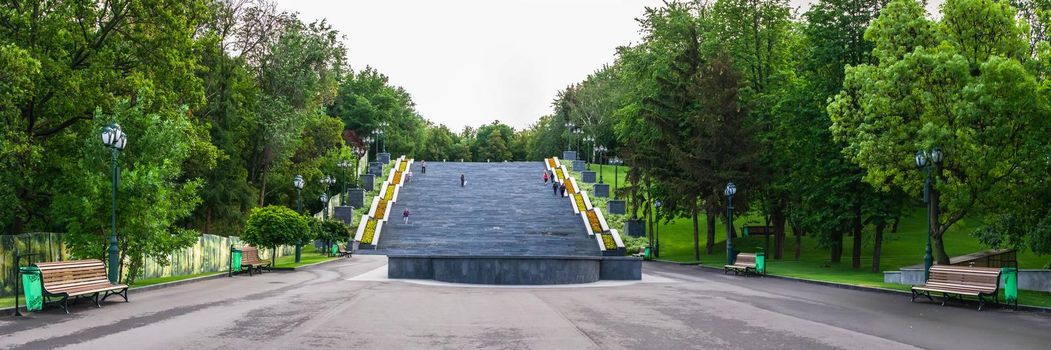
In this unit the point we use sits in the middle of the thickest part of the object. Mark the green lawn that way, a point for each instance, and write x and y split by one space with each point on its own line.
904 248
309 256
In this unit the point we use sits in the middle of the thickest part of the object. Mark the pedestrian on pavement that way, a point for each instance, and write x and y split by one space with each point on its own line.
554 188
408 176
405 215
545 177
562 189
463 180
424 171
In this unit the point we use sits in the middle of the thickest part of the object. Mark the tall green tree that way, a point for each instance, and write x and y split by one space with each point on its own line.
958 84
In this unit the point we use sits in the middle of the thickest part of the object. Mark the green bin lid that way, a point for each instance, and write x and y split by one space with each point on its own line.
29 269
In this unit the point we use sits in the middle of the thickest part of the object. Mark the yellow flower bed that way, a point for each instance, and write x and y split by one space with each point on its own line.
401 166
388 195
370 231
560 175
596 227
608 241
579 198
397 177
381 208
569 187
551 162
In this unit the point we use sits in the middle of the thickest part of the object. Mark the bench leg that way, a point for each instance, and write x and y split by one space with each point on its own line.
65 305
981 302
123 293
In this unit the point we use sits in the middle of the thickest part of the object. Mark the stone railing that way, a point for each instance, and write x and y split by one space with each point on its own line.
608 240
371 224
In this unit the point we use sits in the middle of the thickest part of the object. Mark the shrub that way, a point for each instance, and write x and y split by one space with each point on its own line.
272 226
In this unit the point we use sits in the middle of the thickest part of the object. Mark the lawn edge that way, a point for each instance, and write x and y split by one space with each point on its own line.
1021 307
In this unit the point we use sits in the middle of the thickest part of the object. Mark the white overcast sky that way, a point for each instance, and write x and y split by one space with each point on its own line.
469 62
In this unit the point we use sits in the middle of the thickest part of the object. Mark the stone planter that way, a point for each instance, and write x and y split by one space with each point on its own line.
578 165
601 190
375 168
616 207
635 227
569 155
345 214
587 176
368 181
383 158
356 197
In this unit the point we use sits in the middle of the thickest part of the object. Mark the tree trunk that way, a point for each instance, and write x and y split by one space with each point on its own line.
779 233
648 212
799 240
696 236
712 217
894 227
878 246
940 256
262 189
856 226
837 246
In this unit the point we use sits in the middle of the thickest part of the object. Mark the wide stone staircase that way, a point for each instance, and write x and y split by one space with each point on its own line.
505 210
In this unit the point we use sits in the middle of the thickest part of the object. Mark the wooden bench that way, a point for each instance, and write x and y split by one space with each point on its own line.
342 250
77 278
744 263
959 281
758 230
250 260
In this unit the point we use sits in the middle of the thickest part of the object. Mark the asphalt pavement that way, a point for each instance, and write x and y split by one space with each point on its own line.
351 304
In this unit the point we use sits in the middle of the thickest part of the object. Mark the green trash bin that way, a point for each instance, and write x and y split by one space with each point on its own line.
235 260
335 250
1010 279
648 254
32 288
760 263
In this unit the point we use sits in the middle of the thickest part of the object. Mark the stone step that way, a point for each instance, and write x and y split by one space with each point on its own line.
504 209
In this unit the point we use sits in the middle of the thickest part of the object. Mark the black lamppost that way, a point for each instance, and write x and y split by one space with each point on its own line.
324 204
616 162
368 144
578 132
657 229
569 133
298 182
326 183
343 166
929 162
601 150
589 141
113 137
382 130
360 152
729 191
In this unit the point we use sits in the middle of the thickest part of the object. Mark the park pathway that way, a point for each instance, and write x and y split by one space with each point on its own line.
504 210
350 304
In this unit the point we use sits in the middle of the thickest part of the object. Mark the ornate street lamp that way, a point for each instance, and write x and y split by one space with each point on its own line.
382 130
113 137
324 204
616 162
657 229
729 191
298 182
368 142
589 141
343 166
570 132
601 150
578 132
929 161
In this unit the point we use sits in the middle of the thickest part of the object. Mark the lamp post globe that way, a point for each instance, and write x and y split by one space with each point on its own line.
729 192
113 137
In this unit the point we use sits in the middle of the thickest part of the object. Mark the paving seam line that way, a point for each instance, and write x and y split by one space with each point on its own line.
838 285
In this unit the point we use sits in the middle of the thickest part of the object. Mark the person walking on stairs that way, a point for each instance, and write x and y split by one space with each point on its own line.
554 188
463 180
562 189
545 177
405 215
424 170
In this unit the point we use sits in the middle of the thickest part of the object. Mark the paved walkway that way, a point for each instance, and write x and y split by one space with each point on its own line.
505 209
349 304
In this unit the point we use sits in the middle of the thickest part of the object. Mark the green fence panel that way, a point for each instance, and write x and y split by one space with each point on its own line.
32 288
